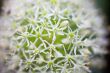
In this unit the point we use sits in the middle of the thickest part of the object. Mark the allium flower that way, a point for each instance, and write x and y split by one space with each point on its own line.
54 36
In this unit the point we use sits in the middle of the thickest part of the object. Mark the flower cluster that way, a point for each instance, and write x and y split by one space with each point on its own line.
52 37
